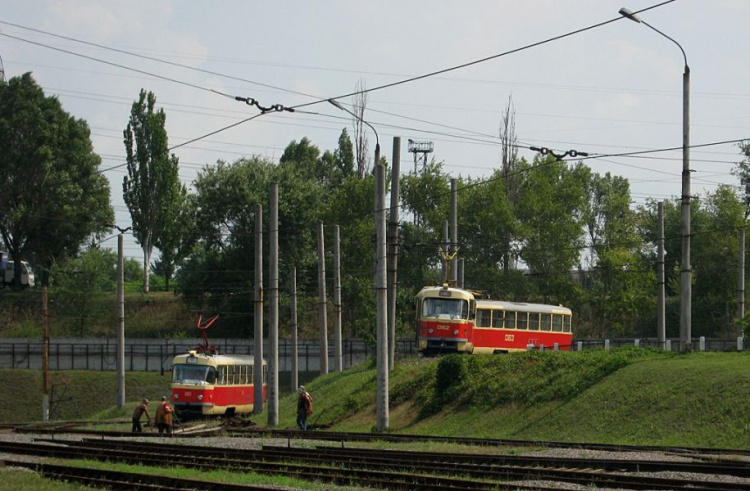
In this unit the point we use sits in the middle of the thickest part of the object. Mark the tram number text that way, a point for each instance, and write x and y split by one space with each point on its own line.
510 337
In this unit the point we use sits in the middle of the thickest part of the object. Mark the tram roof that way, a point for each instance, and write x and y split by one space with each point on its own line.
430 291
522 307
206 359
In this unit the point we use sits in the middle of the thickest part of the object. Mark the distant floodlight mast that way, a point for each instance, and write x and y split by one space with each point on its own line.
685 268
423 148
2 70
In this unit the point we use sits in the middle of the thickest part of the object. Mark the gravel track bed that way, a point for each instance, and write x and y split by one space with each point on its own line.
257 443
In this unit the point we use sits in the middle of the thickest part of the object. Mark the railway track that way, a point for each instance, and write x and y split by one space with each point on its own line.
388 469
129 480
489 442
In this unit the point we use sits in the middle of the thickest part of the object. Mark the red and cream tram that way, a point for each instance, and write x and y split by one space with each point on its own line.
452 320
213 384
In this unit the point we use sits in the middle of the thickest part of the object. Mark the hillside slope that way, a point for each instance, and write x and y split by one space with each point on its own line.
627 396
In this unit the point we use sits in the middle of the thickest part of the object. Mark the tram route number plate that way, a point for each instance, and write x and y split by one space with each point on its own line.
510 337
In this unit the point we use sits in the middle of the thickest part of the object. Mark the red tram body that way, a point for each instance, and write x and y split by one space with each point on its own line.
452 320
213 384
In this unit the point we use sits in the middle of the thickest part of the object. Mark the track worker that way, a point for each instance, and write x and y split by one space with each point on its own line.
163 417
140 409
304 407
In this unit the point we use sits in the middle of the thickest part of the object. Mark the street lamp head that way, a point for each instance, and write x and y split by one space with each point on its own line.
337 104
629 15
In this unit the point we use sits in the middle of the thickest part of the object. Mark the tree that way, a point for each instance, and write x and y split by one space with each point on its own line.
426 195
220 270
714 251
360 138
511 181
550 211
488 225
742 171
52 195
152 187
620 287
178 237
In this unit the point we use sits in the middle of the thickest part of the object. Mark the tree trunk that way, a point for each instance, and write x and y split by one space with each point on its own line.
146 266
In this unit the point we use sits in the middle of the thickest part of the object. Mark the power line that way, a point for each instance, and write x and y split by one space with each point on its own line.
162 77
172 63
483 60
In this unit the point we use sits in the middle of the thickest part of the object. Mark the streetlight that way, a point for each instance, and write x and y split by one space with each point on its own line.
685 270
336 103
381 288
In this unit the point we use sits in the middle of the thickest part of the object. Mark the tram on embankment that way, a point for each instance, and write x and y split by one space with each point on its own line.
453 320
206 383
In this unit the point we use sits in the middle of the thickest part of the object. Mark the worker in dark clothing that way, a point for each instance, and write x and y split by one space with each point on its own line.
140 409
304 407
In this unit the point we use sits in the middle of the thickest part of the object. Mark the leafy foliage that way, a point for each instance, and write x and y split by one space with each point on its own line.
152 189
52 196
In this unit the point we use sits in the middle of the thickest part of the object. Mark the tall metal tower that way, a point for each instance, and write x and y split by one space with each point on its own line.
2 70
420 151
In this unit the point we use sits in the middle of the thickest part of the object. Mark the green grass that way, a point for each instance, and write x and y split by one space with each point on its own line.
31 481
627 396
76 394
156 315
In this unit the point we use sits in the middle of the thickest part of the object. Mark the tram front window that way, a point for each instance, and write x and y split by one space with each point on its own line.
452 308
193 374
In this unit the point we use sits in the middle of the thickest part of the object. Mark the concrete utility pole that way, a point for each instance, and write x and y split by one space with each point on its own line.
446 251
273 310
120 323
295 347
382 298
258 311
686 272
45 356
741 279
338 352
393 242
322 302
461 266
454 232
661 330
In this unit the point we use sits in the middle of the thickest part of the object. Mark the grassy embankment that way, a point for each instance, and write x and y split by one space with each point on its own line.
627 396
156 315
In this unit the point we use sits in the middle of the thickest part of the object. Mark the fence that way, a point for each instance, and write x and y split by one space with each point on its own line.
157 355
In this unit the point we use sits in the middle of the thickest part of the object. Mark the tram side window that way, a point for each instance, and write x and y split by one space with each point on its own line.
483 318
222 374
566 323
251 374
534 322
265 374
510 320
498 316
211 376
522 321
546 322
557 322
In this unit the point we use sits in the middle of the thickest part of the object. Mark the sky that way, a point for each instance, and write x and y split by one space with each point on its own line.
612 89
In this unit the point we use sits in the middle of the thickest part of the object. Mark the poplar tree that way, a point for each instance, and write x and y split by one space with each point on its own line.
152 187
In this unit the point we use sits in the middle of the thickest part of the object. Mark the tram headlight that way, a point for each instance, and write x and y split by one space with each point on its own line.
455 332
175 396
429 331
200 397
